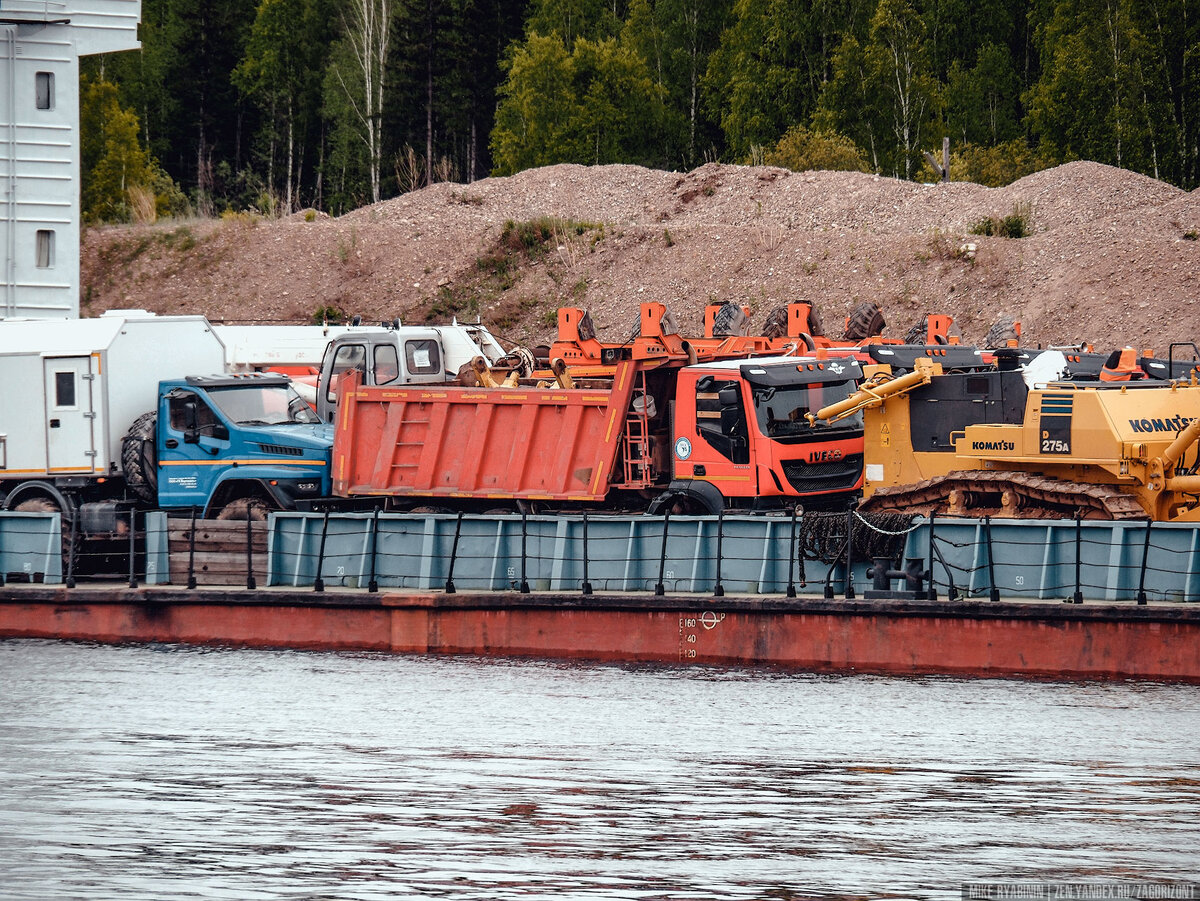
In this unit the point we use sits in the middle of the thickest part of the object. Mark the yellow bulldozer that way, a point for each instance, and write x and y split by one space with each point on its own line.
985 443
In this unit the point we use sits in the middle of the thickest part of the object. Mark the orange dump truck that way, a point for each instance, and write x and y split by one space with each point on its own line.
657 434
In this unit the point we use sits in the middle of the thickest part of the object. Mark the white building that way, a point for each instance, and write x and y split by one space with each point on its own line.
40 45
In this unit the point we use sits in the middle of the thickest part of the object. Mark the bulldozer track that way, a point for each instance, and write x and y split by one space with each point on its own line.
1020 495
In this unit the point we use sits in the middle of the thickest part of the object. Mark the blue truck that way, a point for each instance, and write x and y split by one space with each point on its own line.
131 410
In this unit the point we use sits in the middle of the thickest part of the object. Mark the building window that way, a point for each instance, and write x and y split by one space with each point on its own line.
44 84
45 248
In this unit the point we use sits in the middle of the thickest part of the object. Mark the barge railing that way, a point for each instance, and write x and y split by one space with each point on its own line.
1067 560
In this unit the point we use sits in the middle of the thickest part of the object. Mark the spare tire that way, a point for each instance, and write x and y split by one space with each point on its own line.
918 333
865 322
586 328
139 458
730 320
1002 331
776 323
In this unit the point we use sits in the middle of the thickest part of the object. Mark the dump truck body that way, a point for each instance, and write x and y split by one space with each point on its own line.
453 442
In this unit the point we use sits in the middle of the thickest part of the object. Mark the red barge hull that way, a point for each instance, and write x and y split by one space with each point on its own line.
1058 641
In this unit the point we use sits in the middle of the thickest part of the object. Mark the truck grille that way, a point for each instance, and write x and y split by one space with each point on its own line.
840 475
281 450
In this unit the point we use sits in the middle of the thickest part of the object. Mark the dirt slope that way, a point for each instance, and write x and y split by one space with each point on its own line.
1113 257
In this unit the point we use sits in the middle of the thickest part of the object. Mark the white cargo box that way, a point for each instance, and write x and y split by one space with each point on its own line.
70 388
253 348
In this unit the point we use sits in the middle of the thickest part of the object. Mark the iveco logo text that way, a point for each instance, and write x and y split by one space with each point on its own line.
993 445
1175 424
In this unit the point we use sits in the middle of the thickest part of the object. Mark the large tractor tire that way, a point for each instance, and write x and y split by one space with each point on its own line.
865 321
1002 331
776 323
730 321
587 329
139 458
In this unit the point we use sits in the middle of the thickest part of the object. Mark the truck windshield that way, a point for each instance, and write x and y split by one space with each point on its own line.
262 404
780 409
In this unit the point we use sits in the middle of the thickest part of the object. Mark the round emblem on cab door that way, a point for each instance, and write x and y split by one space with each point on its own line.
683 448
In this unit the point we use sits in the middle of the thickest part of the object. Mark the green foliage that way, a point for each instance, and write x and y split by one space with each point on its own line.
992 166
594 104
112 160
1017 224
327 315
801 149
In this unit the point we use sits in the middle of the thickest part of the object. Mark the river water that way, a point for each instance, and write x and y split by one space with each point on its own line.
167 772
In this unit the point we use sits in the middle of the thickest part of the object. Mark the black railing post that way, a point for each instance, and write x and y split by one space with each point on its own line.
2 568
791 585
993 590
1141 595
373 584
932 595
191 577
718 589
71 545
453 554
318 582
251 582
587 586
133 548
660 589
1077 597
850 555
524 535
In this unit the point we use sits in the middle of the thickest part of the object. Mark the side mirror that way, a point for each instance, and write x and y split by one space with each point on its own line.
220 433
728 396
191 434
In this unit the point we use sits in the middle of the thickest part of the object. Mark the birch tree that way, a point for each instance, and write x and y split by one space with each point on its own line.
360 73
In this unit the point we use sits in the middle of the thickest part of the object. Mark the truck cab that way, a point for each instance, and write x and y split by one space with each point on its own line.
239 444
741 439
406 355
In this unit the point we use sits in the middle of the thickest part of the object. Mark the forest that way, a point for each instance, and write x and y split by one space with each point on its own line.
283 105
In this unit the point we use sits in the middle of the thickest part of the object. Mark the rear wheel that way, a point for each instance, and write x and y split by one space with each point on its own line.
244 508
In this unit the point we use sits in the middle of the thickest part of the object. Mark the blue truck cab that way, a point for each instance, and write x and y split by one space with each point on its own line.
238 446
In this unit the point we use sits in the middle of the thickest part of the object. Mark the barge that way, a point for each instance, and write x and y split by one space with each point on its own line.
1158 641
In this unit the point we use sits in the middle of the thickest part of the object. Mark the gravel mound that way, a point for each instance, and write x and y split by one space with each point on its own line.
1112 257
